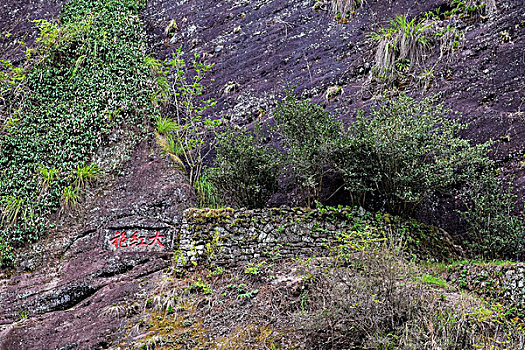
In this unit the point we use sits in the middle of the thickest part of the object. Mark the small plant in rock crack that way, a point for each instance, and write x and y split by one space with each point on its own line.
248 294
70 196
192 128
13 209
402 41
256 269
200 286
213 248
165 125
86 173
114 311
217 272
24 315
207 193
243 292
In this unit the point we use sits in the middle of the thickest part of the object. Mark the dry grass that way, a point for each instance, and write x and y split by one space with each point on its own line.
363 296
168 146
402 44
346 7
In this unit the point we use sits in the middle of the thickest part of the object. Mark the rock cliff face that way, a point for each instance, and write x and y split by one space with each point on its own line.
72 292
16 29
260 46
67 283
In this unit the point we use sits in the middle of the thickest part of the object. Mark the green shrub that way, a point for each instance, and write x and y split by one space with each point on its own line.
247 170
309 134
404 153
494 231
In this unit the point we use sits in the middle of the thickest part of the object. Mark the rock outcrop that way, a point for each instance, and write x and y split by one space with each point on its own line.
65 293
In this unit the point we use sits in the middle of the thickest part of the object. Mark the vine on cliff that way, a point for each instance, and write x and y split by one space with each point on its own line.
86 77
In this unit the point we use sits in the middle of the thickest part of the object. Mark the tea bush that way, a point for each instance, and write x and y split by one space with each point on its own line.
247 170
309 134
404 153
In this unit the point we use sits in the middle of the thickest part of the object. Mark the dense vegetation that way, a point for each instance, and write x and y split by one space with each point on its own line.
405 153
87 77
89 80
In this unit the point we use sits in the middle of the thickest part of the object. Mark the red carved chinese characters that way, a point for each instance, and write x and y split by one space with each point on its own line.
137 241
157 239
121 240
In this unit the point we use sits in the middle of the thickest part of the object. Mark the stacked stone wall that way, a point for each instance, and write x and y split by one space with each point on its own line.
504 283
229 237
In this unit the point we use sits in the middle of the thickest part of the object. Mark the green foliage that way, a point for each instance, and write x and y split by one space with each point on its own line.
192 128
309 134
200 286
464 9
165 125
86 77
432 280
255 269
494 231
7 256
47 175
405 152
472 8
404 42
70 196
85 174
247 169
207 192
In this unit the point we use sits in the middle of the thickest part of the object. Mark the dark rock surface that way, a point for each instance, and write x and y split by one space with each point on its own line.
75 293
16 29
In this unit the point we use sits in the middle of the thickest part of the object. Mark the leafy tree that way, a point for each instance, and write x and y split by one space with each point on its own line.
403 153
192 127
309 134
